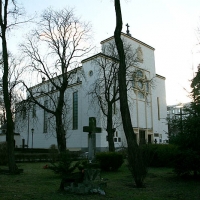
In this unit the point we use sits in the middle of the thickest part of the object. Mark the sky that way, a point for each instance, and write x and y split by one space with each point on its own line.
170 26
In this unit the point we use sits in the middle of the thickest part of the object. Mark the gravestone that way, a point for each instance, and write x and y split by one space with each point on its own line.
92 130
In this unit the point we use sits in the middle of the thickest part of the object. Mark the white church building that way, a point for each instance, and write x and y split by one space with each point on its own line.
147 102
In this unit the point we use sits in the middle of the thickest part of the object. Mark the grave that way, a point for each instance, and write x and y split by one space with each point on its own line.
89 180
92 130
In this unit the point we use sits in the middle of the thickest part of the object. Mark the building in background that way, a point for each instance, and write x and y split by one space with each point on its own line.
175 112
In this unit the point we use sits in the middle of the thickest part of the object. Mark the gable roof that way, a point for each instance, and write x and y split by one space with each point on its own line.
130 37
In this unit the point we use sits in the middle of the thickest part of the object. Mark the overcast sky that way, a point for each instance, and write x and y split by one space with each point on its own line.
170 26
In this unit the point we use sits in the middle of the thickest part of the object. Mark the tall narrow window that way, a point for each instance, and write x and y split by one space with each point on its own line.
45 117
147 87
75 110
34 111
158 105
24 113
133 81
114 104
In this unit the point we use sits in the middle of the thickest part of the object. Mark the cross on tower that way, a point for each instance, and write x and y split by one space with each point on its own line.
92 130
127 31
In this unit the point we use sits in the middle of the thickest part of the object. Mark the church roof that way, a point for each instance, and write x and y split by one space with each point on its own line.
161 77
130 37
48 80
100 55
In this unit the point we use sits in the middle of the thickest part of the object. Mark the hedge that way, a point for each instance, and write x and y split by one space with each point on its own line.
110 161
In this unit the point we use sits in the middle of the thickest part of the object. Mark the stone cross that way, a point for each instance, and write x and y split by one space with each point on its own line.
92 130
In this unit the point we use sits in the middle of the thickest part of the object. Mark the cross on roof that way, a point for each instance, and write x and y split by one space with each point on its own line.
92 126
127 31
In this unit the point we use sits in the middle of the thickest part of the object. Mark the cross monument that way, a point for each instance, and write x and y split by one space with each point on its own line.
92 130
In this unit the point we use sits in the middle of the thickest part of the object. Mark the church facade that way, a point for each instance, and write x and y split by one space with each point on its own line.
147 103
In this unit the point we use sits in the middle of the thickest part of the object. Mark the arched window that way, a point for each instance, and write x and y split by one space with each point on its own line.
139 74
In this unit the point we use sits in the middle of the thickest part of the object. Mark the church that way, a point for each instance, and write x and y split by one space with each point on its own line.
147 103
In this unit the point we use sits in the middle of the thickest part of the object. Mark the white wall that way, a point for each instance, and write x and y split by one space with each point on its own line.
144 112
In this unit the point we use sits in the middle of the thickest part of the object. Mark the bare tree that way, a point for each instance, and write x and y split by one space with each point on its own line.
104 91
136 161
15 74
4 13
64 39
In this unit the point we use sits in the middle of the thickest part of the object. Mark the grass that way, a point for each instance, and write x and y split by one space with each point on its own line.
42 184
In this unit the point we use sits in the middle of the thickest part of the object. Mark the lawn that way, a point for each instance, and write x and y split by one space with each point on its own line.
42 184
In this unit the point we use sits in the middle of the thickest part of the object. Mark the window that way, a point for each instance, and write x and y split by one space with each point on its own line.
34 111
133 82
75 110
78 79
24 112
147 87
140 84
134 78
140 95
116 133
45 123
139 74
114 104
156 134
158 105
90 73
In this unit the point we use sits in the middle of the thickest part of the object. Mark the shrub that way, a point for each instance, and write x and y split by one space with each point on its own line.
65 165
161 155
3 153
186 162
122 150
110 161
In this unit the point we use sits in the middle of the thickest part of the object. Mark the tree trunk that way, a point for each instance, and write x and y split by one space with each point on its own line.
135 158
7 102
60 131
110 130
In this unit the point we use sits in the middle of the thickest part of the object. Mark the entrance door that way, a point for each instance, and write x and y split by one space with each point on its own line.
149 139
142 136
